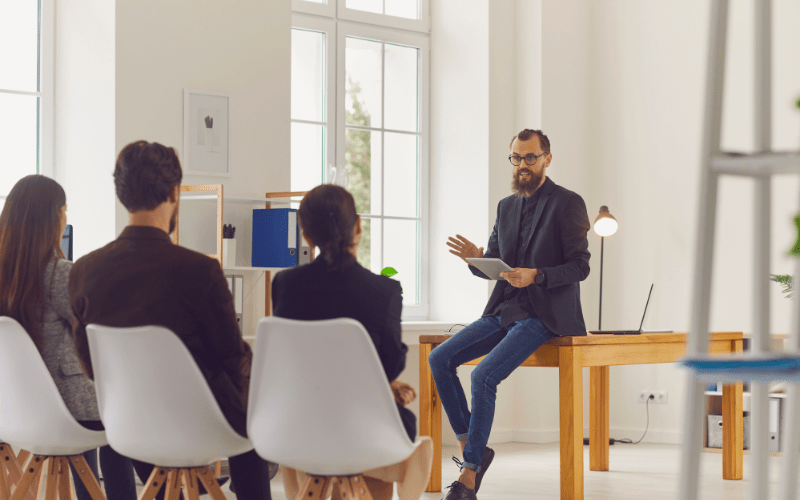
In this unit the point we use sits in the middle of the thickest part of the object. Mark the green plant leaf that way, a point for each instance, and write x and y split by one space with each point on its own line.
388 271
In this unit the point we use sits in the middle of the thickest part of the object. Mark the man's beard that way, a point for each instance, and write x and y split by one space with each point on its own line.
526 188
173 221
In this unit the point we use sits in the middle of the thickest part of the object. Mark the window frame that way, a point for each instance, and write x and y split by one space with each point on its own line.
45 93
339 22
327 26
345 29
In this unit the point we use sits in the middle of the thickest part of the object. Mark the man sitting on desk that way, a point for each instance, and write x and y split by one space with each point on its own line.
541 232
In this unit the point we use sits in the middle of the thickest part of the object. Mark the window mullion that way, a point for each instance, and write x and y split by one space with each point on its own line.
383 149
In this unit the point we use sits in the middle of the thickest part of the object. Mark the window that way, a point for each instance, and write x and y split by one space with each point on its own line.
25 91
360 112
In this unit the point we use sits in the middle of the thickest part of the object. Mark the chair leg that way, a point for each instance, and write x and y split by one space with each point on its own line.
65 480
4 491
173 491
353 487
33 471
157 479
209 480
315 488
189 480
51 480
12 465
87 478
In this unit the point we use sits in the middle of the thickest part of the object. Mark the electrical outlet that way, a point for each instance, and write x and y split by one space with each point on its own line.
662 397
645 395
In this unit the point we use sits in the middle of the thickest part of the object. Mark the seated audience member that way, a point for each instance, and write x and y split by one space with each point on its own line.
33 291
338 287
141 278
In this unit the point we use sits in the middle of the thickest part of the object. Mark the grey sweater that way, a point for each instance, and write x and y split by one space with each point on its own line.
59 353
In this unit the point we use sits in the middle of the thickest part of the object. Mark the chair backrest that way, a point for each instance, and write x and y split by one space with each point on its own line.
153 400
319 399
32 414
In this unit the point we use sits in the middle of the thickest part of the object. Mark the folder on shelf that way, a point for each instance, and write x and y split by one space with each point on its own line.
275 237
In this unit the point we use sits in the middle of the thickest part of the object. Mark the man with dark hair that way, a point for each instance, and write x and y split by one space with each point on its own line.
141 278
540 232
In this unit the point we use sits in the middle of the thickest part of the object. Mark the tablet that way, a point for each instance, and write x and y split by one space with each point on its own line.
490 267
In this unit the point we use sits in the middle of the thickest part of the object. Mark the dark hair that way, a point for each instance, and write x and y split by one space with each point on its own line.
30 239
526 134
145 174
327 214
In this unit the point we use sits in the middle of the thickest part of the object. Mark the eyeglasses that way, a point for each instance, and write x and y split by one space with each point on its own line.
530 159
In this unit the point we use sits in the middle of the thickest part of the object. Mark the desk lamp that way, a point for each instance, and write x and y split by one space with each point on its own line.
604 225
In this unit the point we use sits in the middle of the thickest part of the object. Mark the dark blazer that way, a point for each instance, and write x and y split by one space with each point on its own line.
143 279
312 292
558 247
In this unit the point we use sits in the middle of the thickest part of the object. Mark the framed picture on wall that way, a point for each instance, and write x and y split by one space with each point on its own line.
205 133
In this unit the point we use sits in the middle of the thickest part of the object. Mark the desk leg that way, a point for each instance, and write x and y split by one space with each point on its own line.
570 389
430 416
733 429
598 417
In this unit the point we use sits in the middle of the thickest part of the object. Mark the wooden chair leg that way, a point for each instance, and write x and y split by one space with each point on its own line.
218 468
190 489
51 480
65 491
33 471
315 488
209 481
157 479
22 458
353 487
87 477
5 494
173 491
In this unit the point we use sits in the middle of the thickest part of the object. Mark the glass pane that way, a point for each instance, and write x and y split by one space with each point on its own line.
19 45
401 251
401 88
375 6
308 75
308 156
362 61
403 8
400 171
363 157
18 138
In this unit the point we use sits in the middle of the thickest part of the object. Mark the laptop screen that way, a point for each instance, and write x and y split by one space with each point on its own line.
645 307
66 242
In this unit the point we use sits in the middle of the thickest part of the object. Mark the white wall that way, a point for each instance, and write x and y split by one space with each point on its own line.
238 47
84 118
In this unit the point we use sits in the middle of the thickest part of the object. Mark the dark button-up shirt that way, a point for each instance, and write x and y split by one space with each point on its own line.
514 303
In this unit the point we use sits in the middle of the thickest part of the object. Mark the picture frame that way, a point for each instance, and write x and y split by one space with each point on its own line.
206 133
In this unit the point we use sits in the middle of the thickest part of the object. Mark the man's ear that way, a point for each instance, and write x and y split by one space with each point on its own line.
357 226
175 193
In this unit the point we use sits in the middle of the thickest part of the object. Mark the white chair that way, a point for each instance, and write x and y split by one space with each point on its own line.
319 402
33 417
157 407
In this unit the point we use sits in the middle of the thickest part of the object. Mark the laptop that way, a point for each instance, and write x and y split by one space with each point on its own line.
629 332
66 242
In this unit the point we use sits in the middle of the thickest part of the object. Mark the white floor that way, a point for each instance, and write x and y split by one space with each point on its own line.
643 471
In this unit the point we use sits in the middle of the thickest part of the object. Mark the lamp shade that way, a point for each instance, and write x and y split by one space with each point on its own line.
605 224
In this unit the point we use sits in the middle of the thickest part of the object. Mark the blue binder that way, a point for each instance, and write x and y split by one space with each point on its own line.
275 235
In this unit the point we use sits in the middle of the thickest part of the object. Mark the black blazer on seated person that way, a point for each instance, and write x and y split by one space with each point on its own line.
312 292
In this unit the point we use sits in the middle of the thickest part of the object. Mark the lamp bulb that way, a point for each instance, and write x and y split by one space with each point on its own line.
606 226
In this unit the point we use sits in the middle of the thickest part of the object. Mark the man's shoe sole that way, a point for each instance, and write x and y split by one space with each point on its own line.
488 456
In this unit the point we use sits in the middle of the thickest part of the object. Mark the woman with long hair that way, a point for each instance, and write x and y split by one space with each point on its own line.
33 290
335 285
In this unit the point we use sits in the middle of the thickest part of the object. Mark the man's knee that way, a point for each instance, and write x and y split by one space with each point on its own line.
437 359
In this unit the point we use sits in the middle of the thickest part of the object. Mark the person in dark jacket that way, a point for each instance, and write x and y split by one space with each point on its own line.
142 278
540 232
335 285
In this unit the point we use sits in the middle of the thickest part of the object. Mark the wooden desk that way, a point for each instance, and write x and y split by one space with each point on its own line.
570 355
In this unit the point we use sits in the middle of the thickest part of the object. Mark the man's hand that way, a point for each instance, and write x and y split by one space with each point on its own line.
520 277
464 248
403 393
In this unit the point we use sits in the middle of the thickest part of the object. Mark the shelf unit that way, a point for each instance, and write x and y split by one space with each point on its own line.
211 192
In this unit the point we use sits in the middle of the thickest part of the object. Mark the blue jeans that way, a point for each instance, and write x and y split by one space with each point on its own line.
505 349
